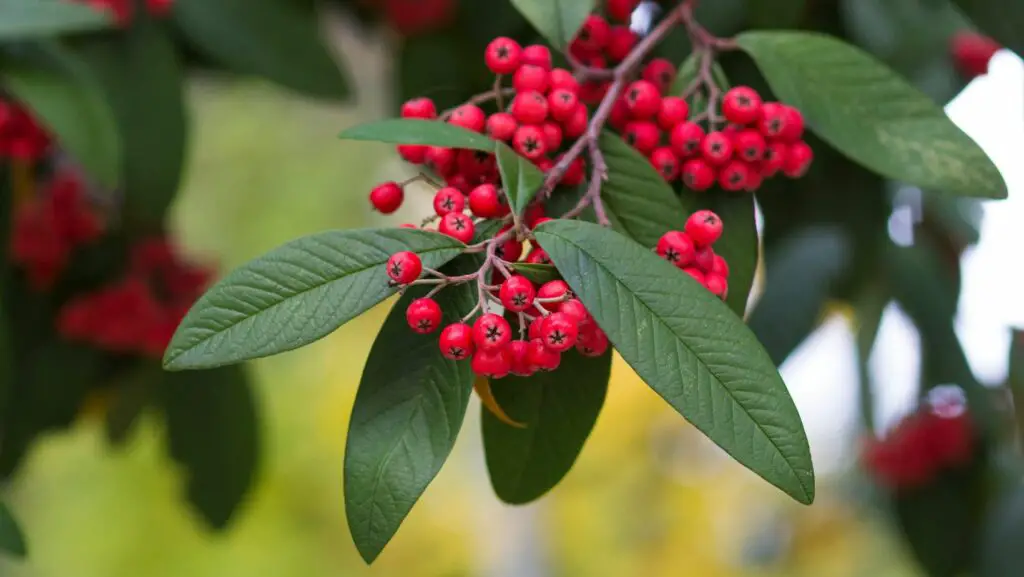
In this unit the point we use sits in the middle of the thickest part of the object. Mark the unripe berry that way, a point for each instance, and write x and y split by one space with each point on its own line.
741 105
716 148
404 267
456 342
773 120
485 201
447 200
491 332
457 226
704 228
575 174
798 160
592 342
559 332
774 157
501 126
493 364
519 359
666 163
562 104
716 284
698 175
578 122
793 124
622 10
643 99
676 247
530 107
594 34
733 176
441 160
537 55
529 141
552 136
642 135
419 108
517 294
621 42
423 315
541 357
387 197
674 111
530 78
686 139
503 55
562 79
720 267
661 73
749 145
470 117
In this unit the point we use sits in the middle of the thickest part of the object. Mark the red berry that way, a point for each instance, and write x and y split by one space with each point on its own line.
510 250
555 289
562 79
485 201
719 266
575 174
457 226
578 123
387 197
593 92
798 160
459 182
530 107
530 78
517 294
447 200
754 178
576 311
530 141
741 105
622 10
716 148
552 136
544 163
441 160
494 364
491 332
470 117
519 359
423 315
773 120
503 55
594 33
541 221
541 357
695 273
473 164
734 175
775 155
592 342
716 284
792 125
704 227
698 174
501 126
559 332
538 256
456 342
704 259
419 108
642 135
674 111
643 99
661 73
677 248
749 145
537 55
533 213
666 163
972 53
562 104
686 139
534 330
620 115
621 42
412 153
404 267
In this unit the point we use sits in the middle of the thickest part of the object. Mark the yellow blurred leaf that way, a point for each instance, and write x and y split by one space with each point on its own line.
482 386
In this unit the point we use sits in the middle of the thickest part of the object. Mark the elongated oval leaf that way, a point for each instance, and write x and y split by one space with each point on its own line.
871 114
520 177
537 273
297 294
417 131
280 41
639 203
689 347
404 422
556 20
28 19
12 540
559 410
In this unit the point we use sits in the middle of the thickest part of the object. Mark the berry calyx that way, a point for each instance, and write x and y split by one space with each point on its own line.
716 148
686 139
387 197
503 55
423 315
456 342
734 176
404 267
530 142
741 105
749 145
559 332
457 226
677 248
491 332
517 294
448 200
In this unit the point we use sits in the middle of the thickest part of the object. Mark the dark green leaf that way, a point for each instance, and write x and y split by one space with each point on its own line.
520 177
70 102
280 41
775 13
297 294
1015 378
436 65
213 432
404 423
1000 551
142 77
537 273
688 71
556 20
416 131
559 409
689 347
487 229
871 114
1000 19
29 19
639 203
739 244
12 540
938 521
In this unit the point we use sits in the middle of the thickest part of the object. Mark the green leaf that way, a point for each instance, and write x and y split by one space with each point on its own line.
1000 552
1015 377
1000 19
280 41
143 79
65 95
520 177
639 203
688 71
775 13
939 523
404 423
31 19
556 20
213 432
297 294
871 114
559 410
12 540
689 347
417 131
537 273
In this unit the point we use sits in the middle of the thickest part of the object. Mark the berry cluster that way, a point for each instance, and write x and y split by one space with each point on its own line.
21 137
47 228
550 320
138 313
123 10
691 250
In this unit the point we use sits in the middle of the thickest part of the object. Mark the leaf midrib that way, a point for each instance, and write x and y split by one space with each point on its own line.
700 361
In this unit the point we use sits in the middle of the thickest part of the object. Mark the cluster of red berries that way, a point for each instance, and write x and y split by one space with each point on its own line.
47 228
138 313
561 323
972 52
123 10
924 443
21 137
413 17
691 250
